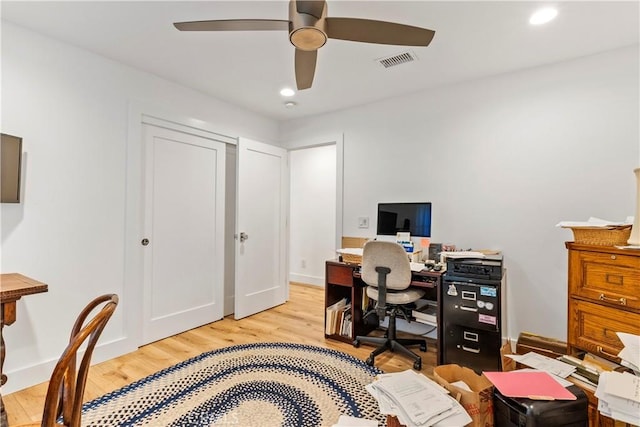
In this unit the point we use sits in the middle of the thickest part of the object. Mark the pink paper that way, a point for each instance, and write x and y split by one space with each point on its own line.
529 384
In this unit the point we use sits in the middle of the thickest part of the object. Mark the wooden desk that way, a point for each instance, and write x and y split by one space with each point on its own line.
342 280
13 286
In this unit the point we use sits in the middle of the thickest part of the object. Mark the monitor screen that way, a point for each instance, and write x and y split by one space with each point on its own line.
414 218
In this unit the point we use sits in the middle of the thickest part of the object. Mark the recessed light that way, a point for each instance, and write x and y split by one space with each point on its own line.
287 91
543 16
290 104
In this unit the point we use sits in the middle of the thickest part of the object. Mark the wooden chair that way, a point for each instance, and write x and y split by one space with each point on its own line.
63 402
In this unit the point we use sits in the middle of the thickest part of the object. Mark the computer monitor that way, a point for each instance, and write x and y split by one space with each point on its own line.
414 218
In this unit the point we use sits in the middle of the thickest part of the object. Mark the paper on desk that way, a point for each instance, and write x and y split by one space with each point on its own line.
463 254
350 251
544 363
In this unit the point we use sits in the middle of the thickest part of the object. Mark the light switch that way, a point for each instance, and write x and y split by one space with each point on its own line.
363 222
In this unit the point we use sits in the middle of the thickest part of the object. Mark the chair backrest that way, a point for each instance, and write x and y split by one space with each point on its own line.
66 386
386 254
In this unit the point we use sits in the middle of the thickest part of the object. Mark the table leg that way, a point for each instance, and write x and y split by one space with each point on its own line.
4 422
7 317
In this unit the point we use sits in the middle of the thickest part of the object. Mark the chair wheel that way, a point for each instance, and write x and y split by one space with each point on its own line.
417 365
356 343
369 361
423 347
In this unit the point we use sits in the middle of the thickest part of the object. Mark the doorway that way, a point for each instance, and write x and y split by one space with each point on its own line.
312 212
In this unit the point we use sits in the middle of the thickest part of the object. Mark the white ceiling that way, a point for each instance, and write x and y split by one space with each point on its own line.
473 39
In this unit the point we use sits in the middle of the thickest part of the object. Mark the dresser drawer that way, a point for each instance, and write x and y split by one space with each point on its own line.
593 327
606 278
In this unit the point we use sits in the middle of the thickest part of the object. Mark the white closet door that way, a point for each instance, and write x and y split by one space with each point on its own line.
261 228
184 192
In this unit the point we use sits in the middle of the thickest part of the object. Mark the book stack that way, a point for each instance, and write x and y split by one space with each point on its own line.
338 319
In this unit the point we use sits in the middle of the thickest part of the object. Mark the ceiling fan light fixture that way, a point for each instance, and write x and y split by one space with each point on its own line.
543 16
308 38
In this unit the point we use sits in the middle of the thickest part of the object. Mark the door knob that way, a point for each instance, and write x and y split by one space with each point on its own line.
145 242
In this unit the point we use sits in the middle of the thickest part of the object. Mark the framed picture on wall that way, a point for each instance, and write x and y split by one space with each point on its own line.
10 168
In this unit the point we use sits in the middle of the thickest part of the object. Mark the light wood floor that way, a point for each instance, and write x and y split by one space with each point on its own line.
300 320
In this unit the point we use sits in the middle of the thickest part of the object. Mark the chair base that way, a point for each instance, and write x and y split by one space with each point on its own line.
396 345
390 342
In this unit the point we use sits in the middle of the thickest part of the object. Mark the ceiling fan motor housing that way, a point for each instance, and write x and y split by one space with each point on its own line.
306 32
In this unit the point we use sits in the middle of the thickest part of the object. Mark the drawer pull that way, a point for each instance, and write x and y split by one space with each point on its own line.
466 308
471 350
621 301
601 351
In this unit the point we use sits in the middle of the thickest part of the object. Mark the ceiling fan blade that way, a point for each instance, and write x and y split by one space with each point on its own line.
305 67
234 25
381 32
314 8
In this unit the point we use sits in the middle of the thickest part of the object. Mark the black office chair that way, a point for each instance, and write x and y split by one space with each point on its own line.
387 272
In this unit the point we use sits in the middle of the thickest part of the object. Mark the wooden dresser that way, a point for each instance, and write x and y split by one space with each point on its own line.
604 298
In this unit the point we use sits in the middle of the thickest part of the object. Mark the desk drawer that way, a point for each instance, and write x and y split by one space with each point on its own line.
608 278
594 327
340 275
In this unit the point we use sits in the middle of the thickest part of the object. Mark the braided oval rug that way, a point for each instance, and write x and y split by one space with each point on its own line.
272 384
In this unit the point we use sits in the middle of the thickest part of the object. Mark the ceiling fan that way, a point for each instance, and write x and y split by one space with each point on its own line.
309 28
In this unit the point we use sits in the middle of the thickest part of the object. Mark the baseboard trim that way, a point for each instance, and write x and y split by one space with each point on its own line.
29 376
310 280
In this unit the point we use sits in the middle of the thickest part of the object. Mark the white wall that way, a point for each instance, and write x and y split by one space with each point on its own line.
503 160
71 108
312 206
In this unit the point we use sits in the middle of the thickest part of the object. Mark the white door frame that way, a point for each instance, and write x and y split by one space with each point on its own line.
139 113
338 141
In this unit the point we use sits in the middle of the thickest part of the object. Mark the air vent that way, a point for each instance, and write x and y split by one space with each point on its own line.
402 58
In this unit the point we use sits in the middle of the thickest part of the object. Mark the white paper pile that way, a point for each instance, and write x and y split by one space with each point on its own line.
630 354
595 223
417 401
619 396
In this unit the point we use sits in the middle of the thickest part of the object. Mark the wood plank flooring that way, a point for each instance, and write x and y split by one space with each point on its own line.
300 320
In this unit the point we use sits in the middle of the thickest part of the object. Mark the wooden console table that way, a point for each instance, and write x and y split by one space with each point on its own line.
13 286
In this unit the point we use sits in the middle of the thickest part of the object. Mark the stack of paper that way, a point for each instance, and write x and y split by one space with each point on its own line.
595 223
417 401
544 363
630 354
619 396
